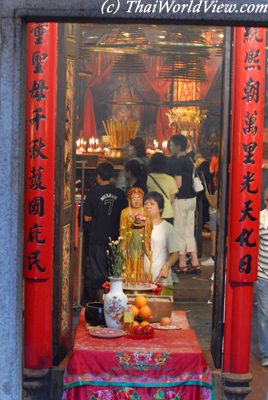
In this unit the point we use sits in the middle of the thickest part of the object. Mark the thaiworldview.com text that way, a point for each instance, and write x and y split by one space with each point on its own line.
181 7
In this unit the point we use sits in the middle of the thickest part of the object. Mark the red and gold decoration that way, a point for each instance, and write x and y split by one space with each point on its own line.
245 191
185 118
39 192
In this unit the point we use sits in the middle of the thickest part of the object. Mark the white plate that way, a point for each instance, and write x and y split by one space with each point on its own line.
106 333
140 286
157 325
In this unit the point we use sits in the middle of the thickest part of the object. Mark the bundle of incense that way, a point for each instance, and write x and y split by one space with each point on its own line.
120 131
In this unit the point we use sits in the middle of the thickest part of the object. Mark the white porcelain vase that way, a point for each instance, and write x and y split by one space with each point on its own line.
115 303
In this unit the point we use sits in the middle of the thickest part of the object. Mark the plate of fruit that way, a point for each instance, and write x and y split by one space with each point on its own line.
141 327
165 324
141 331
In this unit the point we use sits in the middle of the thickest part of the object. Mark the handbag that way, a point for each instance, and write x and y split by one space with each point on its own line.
197 184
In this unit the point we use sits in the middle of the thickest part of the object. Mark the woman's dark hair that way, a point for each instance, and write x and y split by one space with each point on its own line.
178 141
105 171
157 197
136 168
139 146
139 170
158 163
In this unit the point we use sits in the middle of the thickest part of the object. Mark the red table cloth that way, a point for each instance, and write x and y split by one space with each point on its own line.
168 366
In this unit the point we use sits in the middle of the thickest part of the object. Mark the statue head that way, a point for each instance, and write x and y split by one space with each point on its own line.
135 197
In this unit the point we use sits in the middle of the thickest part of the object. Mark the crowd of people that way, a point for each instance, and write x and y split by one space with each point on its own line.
163 187
169 197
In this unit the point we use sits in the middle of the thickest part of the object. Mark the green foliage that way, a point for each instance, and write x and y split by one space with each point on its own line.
116 257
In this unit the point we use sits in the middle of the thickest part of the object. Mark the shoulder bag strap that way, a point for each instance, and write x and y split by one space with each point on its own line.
194 170
158 185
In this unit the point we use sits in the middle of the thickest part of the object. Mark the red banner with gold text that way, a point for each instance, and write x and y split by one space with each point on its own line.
40 150
246 153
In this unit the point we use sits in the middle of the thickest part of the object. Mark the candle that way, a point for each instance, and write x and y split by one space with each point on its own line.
164 146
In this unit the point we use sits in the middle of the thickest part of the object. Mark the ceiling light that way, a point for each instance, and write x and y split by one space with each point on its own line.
126 34
161 37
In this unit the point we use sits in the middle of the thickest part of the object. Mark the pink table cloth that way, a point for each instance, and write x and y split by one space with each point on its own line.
168 366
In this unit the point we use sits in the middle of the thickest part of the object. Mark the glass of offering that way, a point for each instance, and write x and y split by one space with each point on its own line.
128 319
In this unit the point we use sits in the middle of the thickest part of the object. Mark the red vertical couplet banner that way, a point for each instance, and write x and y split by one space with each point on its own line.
245 190
246 159
41 87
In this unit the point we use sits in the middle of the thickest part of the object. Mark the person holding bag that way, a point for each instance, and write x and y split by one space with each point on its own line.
159 181
197 183
182 168
213 203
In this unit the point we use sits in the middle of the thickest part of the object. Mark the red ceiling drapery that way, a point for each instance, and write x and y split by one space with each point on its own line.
161 88
211 67
100 68
150 81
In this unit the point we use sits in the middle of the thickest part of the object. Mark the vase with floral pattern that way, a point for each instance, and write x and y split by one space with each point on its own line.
115 303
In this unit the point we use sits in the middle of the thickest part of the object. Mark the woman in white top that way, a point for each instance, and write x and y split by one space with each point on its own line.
159 181
164 244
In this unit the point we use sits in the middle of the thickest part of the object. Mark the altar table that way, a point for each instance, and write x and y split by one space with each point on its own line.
168 366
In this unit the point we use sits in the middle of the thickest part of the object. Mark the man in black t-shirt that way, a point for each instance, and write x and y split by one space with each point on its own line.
102 207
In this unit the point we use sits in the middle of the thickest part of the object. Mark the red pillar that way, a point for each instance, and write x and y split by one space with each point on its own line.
41 84
245 191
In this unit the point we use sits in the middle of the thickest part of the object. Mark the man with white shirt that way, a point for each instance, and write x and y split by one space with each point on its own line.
164 243
262 284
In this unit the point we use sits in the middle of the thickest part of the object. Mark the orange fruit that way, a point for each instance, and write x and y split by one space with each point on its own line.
135 310
145 312
144 323
135 323
140 301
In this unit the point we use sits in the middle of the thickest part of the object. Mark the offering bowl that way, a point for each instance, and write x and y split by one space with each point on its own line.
94 313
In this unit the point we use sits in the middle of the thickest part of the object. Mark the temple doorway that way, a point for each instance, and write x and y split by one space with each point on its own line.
151 82
110 92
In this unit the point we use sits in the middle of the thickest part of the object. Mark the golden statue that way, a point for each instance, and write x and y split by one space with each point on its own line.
136 229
